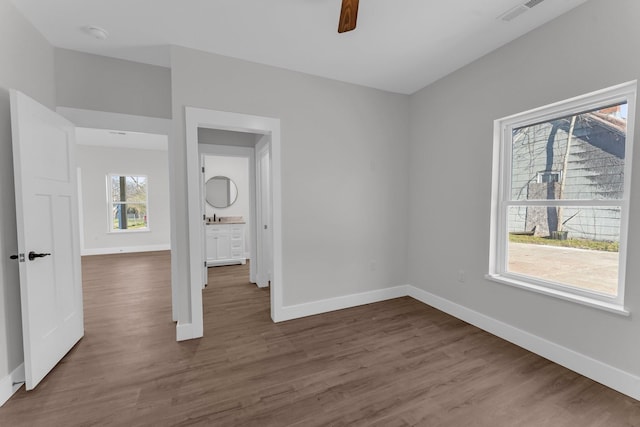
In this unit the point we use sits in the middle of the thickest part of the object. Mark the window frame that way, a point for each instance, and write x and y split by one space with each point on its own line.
501 198
110 204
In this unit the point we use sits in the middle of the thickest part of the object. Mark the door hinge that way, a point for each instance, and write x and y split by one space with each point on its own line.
203 169
204 217
205 263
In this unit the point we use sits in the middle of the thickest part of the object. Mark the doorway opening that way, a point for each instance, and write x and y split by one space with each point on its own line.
126 123
227 197
266 210
228 211
123 189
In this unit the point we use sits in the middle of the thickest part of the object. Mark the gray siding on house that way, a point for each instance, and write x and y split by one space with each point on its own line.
594 170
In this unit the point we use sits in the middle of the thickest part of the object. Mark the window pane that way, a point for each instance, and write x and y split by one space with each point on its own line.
136 187
574 157
582 253
128 188
115 188
129 216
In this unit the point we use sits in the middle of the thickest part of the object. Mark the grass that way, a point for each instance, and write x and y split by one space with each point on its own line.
132 224
595 245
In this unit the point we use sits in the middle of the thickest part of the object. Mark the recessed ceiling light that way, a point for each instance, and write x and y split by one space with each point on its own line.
96 32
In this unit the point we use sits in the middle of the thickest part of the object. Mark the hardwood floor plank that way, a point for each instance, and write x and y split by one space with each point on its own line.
395 363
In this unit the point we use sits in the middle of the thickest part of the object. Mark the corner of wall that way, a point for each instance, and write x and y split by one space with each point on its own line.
605 374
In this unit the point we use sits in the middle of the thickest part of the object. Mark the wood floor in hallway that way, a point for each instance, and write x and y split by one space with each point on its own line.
394 363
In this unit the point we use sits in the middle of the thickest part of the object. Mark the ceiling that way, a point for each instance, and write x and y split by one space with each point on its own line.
399 45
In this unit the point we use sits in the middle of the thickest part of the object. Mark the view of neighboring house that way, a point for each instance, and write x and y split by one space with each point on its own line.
579 158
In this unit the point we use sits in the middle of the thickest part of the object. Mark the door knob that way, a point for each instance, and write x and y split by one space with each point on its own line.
33 255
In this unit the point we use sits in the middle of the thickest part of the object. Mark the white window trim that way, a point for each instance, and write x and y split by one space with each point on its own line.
500 196
110 229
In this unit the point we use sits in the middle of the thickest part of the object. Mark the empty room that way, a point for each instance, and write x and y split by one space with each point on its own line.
327 212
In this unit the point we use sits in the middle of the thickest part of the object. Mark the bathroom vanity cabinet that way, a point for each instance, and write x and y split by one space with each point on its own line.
225 243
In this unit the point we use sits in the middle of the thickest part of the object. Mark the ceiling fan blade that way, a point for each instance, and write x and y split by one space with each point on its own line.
348 16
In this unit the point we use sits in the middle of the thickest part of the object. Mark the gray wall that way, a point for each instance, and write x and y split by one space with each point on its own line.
344 171
225 137
94 82
592 47
95 164
27 65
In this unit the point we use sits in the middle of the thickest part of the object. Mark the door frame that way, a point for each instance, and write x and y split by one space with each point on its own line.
263 212
204 118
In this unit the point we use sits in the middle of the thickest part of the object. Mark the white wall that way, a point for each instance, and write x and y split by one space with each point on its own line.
592 47
95 164
237 169
26 64
344 171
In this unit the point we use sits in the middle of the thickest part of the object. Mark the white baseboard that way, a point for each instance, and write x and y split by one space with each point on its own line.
125 250
612 377
7 387
290 312
187 331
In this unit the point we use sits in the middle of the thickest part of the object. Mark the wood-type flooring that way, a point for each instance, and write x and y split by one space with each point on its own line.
393 363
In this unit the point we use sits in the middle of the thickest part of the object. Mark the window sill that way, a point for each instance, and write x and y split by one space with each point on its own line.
144 230
567 296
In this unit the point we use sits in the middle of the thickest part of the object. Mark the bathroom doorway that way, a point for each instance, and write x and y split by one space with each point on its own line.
266 134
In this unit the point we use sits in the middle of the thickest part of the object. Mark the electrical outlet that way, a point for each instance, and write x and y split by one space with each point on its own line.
461 276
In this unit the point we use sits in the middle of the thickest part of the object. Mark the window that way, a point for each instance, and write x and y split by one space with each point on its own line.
548 177
561 198
127 203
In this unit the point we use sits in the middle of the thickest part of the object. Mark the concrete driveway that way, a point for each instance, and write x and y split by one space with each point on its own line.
589 269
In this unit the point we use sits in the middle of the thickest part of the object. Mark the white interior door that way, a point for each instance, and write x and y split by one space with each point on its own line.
48 235
264 239
203 209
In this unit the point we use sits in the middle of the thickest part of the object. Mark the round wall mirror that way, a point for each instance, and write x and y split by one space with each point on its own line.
221 192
